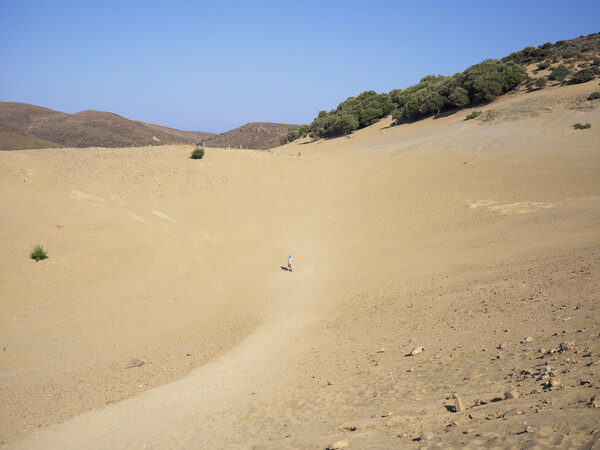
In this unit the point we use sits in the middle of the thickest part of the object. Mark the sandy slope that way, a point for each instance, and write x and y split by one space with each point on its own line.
464 237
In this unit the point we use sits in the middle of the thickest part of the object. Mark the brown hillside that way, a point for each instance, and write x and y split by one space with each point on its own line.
84 129
13 139
193 137
255 135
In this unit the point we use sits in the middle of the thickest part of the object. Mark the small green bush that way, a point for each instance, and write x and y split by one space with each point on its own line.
541 82
582 126
559 73
473 115
594 96
198 153
38 253
583 76
543 65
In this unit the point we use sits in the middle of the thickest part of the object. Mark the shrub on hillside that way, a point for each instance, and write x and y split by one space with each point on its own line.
473 115
541 82
582 126
352 114
559 73
543 65
583 76
38 253
198 153
594 96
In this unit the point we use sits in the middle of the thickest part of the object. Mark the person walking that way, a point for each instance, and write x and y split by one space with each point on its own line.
290 263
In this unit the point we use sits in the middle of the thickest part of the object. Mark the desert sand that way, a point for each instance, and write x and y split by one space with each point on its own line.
436 259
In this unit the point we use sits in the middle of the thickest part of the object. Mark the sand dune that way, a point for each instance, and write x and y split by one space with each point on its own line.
476 240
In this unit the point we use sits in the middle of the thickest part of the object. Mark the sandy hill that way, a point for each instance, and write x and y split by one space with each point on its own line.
83 129
446 257
256 135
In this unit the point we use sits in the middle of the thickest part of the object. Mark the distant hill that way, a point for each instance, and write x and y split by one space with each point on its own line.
13 139
29 126
256 135
193 137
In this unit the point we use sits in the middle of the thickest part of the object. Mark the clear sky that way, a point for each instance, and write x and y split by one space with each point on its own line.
214 66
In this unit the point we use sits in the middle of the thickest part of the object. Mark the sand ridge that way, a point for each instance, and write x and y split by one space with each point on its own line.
462 237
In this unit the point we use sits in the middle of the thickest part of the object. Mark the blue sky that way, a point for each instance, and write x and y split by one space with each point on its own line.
214 66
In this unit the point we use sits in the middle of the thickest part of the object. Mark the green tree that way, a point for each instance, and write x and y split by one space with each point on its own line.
459 97
484 80
512 75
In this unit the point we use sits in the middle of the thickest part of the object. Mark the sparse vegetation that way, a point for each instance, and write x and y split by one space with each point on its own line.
559 73
38 253
541 82
198 153
543 65
594 96
482 82
473 115
582 126
583 76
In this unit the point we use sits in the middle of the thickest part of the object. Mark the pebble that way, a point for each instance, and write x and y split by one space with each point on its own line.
416 351
339 444
545 370
133 362
511 394
469 431
528 339
567 345
426 436
512 412
459 406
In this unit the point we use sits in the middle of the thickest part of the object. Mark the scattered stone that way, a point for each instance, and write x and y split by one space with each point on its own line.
426 436
416 351
595 363
528 339
512 412
542 350
567 345
545 370
133 362
554 382
459 406
583 382
469 431
530 430
339 444
511 394
381 350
